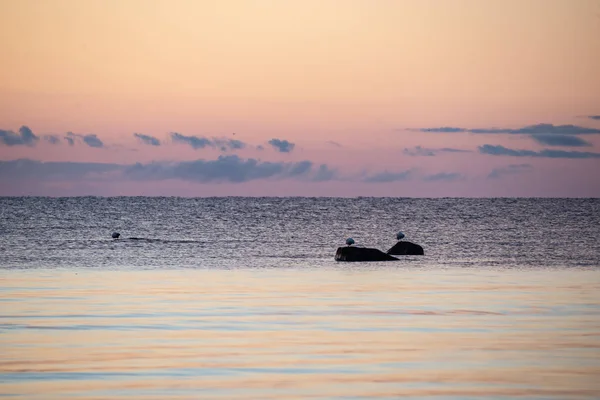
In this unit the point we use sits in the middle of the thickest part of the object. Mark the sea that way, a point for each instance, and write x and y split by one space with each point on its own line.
234 297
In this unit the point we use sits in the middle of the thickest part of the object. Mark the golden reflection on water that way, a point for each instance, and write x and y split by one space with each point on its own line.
272 334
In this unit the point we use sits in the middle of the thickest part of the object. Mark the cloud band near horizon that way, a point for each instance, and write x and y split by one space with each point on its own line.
230 168
545 153
546 134
227 168
542 128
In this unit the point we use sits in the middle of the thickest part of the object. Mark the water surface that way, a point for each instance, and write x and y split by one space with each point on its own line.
241 298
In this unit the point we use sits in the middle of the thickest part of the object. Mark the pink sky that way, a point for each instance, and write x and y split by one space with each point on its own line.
366 75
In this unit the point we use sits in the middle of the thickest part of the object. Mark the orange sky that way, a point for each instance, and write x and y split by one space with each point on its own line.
356 72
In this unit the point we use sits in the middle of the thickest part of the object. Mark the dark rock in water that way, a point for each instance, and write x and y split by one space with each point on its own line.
361 254
115 235
403 248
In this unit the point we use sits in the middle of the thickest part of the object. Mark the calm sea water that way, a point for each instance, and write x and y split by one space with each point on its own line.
241 298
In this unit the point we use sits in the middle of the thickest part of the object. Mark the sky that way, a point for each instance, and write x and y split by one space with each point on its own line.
407 98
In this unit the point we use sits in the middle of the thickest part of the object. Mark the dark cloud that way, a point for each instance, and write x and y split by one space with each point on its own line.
386 177
419 151
283 146
226 168
228 144
91 139
597 117
25 137
336 144
511 169
229 168
200 142
147 139
194 141
526 130
503 151
451 150
443 129
543 129
236 144
444 176
560 140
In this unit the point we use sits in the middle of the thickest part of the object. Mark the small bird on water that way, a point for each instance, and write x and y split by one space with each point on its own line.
349 241
115 235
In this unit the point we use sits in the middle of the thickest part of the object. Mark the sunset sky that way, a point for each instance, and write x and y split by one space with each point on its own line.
417 98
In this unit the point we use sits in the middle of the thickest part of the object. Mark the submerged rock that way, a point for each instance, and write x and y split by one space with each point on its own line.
403 248
361 254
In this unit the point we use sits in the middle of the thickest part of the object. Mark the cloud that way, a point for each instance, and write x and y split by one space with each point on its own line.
194 141
542 129
283 146
547 134
228 144
503 151
91 139
30 169
526 130
25 137
228 168
52 139
147 139
443 129
224 169
511 169
444 176
301 167
236 144
200 142
387 177
560 140
451 150
419 151
336 144
597 117
324 173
